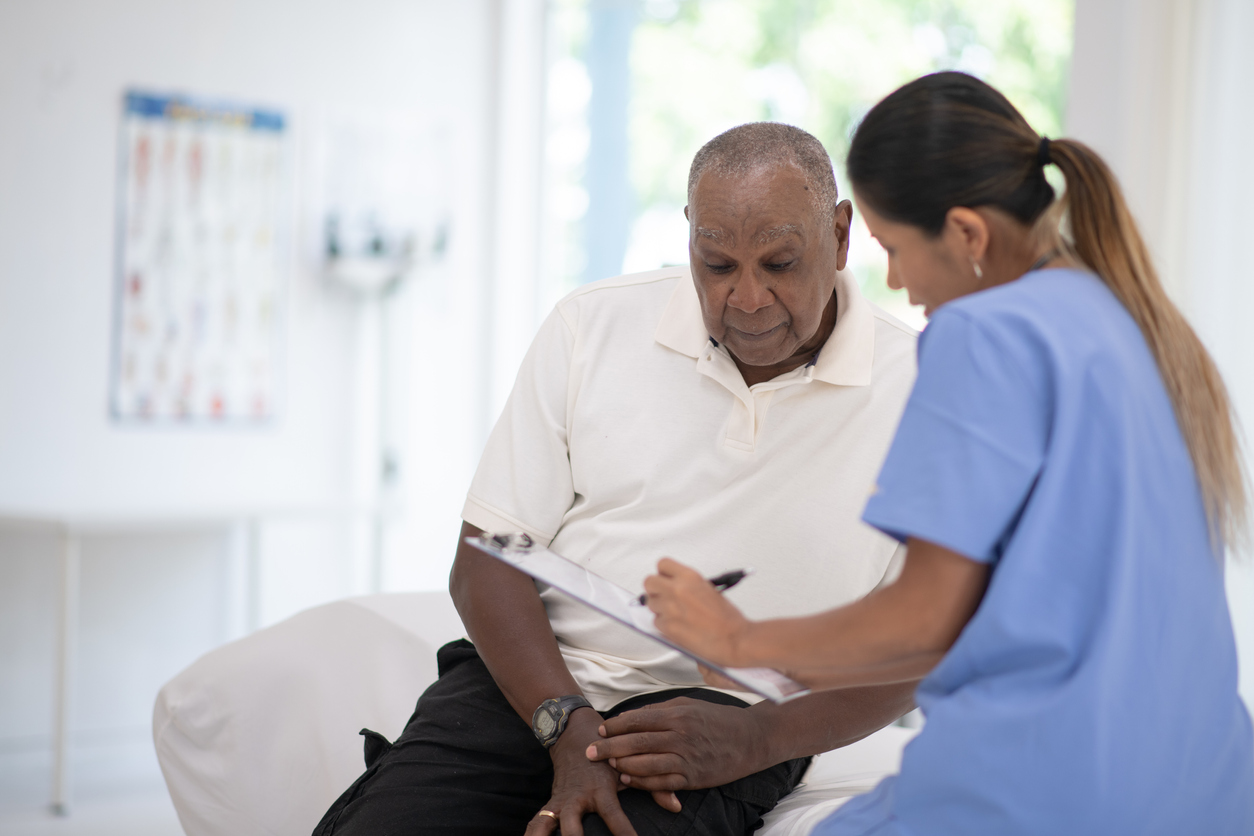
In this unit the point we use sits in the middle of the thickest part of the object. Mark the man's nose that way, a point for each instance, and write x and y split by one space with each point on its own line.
750 293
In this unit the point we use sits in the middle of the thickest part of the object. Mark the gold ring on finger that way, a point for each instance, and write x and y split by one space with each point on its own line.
548 813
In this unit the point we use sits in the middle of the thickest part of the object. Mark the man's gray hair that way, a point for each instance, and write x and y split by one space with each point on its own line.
755 146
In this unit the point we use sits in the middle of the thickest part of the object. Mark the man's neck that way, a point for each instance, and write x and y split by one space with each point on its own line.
760 374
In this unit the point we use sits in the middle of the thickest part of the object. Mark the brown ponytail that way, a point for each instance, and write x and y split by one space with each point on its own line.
949 139
1105 238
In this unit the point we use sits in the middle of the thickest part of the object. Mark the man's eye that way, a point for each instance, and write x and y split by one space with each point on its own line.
779 266
718 268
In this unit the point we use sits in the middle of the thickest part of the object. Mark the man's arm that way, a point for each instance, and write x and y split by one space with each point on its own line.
680 744
821 722
689 744
890 638
507 623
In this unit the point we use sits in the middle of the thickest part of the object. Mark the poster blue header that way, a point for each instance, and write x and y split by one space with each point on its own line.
201 110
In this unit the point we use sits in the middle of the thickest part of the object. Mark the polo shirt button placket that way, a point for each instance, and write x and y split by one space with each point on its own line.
742 425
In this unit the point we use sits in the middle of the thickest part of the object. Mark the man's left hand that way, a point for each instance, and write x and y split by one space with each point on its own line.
682 744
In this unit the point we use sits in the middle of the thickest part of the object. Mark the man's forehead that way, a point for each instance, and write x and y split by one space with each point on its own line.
764 204
760 236
750 179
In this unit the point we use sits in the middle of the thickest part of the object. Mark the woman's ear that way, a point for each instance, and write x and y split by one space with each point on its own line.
967 231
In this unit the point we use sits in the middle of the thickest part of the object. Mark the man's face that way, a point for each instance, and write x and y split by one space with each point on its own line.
764 263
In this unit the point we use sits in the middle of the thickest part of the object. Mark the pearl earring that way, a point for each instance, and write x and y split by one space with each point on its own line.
975 265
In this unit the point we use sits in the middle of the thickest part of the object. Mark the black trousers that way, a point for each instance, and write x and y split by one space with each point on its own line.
467 764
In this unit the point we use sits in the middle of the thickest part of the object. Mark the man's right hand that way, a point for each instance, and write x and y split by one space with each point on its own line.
506 620
581 786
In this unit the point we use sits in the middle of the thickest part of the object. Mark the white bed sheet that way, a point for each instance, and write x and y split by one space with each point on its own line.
260 736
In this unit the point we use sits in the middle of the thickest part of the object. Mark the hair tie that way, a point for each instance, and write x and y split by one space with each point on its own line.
1042 153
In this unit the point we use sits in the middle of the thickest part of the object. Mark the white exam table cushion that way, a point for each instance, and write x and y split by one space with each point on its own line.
260 735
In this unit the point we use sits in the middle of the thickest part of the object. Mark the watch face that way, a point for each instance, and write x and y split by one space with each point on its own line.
545 723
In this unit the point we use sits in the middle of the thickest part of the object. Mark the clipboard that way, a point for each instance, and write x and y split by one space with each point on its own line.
613 601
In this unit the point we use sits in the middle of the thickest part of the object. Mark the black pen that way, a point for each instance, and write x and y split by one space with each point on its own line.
722 582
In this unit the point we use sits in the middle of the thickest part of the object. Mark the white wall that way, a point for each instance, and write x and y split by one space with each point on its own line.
436 466
1161 89
153 601
1220 216
63 67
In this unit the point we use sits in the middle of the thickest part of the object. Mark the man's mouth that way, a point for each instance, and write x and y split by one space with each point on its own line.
757 336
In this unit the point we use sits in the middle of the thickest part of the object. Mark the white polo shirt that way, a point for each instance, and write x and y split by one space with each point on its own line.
630 435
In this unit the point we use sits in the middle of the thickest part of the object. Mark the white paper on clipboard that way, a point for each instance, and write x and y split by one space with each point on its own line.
612 600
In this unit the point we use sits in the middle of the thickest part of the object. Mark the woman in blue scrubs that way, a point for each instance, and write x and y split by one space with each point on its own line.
1066 475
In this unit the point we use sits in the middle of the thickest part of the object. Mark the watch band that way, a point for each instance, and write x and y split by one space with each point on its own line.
549 720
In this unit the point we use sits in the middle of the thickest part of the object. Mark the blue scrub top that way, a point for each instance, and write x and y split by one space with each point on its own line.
1095 689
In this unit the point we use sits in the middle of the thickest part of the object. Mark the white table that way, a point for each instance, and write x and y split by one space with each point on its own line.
72 528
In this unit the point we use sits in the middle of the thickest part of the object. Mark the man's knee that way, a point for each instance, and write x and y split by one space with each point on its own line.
706 812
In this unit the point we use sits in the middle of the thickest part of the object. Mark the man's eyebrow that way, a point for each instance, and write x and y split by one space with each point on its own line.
718 235
768 235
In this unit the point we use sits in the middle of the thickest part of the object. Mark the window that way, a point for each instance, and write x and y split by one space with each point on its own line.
635 88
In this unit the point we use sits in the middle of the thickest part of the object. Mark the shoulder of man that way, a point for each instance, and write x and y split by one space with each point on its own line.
896 349
647 292
893 331
892 334
894 327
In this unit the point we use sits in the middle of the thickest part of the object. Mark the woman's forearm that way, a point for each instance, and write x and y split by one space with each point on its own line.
894 634
910 669
875 632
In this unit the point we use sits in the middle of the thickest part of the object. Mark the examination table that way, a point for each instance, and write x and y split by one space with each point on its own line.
261 735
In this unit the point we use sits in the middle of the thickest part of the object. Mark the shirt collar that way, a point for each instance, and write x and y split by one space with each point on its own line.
844 360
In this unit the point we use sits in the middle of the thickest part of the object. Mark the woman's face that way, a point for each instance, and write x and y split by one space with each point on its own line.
933 270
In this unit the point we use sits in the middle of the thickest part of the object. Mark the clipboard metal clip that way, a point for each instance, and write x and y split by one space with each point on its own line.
516 541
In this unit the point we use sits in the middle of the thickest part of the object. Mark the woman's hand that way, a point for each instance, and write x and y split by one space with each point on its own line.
691 612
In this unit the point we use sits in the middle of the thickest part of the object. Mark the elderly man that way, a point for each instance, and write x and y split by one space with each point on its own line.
731 415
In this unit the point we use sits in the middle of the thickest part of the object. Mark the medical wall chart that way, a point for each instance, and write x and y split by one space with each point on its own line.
199 284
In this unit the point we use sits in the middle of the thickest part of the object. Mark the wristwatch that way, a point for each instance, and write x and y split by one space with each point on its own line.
549 721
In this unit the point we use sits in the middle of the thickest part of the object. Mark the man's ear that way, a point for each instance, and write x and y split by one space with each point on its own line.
686 218
968 232
840 228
